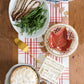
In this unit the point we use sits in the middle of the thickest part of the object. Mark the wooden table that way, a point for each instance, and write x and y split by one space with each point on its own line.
9 51
77 59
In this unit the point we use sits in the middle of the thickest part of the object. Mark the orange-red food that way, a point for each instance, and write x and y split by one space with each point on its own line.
59 40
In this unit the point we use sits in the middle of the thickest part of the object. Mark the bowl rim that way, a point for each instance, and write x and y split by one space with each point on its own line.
71 52
9 73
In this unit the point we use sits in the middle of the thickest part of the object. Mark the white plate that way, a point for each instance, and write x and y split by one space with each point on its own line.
7 78
40 32
73 46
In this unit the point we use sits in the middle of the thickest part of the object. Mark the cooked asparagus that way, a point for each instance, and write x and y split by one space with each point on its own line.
33 21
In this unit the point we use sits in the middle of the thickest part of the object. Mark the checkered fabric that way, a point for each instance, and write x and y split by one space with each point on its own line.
35 48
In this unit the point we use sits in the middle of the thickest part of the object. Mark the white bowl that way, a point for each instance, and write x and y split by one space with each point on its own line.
40 32
7 78
73 46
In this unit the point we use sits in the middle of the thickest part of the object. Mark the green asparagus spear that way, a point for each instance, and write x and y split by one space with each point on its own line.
33 21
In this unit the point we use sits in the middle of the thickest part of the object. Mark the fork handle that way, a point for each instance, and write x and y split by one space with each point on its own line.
34 57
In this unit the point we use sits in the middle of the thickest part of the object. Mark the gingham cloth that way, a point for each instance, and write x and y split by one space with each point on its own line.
58 13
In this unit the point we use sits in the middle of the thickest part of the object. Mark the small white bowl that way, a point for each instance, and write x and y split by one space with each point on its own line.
7 78
40 32
73 46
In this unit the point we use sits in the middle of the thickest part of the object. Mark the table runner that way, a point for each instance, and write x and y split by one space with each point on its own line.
58 14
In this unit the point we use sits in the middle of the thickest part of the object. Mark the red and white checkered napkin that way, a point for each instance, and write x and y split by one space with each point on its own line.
58 13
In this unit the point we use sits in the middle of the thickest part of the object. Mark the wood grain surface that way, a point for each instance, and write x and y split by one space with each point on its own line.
9 51
77 59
